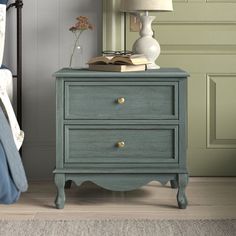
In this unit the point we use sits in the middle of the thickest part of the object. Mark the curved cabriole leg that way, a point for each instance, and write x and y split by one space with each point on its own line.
181 197
60 198
174 184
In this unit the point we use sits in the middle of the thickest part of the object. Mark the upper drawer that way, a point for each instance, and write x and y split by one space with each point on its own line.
156 100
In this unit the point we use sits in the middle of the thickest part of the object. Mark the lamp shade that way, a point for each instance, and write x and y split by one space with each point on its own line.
146 5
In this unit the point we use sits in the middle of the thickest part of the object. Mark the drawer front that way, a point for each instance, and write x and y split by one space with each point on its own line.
156 100
121 144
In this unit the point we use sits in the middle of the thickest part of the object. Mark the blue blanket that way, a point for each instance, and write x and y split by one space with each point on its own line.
12 175
3 2
8 191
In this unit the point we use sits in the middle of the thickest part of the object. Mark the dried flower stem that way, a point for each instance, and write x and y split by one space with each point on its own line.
81 25
76 41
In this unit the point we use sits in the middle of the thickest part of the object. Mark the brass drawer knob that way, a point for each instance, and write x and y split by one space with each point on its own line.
120 144
121 100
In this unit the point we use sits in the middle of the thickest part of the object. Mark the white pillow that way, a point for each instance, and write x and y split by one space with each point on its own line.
2 30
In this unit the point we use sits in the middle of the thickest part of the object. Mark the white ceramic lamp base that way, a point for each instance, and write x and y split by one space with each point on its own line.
146 44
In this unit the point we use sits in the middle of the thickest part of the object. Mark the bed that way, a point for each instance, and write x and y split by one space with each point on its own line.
12 175
6 96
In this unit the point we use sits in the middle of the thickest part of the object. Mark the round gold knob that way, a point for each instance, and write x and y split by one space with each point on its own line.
120 144
120 101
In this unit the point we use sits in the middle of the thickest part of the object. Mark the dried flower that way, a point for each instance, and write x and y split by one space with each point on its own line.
81 24
78 28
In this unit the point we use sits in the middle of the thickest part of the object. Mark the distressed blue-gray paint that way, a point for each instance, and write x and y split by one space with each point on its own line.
152 122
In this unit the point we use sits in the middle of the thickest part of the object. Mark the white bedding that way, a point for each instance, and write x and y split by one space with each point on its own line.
7 82
6 85
6 91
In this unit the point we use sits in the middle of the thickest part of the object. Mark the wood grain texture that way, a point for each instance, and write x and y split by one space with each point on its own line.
99 101
120 182
60 198
181 196
91 150
86 75
143 144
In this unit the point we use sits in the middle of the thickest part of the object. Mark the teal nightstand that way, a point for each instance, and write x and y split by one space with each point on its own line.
121 130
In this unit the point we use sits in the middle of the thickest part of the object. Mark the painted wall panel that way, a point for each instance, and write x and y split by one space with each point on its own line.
221 131
200 37
225 103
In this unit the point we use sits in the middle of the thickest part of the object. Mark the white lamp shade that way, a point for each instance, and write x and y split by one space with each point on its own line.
146 5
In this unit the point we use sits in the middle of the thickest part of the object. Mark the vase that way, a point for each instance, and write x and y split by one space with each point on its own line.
146 44
76 58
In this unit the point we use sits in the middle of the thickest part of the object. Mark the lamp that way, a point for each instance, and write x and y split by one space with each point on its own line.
146 44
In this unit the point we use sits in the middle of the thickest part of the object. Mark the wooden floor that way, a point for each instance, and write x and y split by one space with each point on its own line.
209 198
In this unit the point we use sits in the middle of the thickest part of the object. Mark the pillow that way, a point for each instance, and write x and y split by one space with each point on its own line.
3 4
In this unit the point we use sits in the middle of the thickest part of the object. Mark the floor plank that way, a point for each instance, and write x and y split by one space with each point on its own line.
209 198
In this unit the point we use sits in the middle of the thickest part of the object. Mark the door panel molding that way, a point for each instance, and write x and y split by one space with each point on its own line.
213 137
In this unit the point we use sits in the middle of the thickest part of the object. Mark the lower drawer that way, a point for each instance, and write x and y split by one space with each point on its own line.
121 144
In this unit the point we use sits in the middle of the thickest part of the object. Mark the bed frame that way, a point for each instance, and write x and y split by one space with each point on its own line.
18 4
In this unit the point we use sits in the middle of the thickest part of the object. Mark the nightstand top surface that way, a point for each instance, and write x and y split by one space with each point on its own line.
161 73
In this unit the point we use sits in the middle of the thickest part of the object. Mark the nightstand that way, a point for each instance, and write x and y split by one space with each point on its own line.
121 130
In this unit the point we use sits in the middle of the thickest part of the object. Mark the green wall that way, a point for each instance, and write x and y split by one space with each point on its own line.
199 37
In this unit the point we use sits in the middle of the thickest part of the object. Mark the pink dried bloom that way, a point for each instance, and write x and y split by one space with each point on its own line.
81 24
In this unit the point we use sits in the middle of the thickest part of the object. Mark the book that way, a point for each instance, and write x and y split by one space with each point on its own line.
116 68
136 59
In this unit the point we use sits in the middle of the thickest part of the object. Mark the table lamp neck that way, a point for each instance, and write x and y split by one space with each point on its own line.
146 13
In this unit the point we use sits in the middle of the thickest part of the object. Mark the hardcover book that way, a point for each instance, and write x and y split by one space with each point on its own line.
136 59
116 68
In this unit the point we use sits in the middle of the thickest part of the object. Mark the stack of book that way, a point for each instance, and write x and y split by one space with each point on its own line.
119 63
